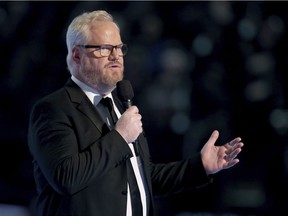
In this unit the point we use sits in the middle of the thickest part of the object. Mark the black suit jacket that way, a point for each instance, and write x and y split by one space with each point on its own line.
80 166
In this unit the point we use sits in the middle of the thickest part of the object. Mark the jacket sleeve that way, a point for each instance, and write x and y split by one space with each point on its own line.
178 176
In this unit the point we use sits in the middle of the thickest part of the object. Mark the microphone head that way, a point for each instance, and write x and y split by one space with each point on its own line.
125 90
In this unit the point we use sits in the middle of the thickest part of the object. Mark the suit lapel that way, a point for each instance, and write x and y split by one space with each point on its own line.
84 105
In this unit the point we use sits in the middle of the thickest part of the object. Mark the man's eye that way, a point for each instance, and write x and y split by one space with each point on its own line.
105 49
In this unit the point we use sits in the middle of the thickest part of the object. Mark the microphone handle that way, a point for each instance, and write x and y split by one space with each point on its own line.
136 147
128 103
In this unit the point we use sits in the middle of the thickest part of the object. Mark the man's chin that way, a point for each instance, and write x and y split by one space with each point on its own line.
118 77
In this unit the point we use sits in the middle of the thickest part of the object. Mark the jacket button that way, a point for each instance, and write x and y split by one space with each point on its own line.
124 193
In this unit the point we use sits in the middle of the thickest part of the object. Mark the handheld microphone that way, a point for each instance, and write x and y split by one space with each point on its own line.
125 93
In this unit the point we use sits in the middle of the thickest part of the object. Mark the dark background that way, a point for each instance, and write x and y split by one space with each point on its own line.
194 66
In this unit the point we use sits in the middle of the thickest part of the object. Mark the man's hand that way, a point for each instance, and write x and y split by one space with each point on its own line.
216 158
129 126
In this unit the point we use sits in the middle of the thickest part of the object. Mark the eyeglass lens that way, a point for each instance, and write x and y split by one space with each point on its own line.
107 50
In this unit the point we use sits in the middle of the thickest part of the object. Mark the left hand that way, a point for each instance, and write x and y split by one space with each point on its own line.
216 158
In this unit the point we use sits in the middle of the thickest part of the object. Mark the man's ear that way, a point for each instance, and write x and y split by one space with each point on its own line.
76 54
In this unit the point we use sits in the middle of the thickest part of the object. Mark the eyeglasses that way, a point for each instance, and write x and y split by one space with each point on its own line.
106 49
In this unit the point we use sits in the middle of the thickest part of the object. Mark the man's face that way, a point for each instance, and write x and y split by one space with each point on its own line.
101 72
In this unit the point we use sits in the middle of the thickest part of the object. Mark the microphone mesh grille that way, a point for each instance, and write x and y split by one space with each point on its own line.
125 90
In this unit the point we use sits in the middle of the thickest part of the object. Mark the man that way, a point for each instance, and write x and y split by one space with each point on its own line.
86 165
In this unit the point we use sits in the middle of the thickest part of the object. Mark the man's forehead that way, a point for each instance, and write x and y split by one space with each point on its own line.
105 31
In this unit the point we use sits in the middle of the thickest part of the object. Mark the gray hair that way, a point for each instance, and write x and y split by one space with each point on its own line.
78 31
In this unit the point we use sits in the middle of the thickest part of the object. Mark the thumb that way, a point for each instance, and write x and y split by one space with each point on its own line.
213 138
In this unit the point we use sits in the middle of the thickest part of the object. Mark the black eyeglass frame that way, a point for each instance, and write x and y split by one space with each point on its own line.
123 47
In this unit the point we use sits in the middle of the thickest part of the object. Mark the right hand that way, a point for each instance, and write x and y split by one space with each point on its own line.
129 125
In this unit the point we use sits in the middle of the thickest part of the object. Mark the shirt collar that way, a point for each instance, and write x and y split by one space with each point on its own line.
93 95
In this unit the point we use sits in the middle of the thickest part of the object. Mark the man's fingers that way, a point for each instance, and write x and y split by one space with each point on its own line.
231 163
236 146
233 154
214 136
234 141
